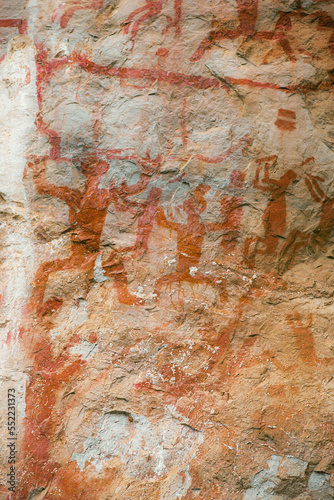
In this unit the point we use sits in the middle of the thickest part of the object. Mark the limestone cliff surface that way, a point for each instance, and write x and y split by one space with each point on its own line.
166 252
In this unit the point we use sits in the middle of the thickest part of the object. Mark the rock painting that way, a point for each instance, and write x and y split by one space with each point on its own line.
166 221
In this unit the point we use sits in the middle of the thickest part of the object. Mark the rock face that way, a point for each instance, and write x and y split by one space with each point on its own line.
167 217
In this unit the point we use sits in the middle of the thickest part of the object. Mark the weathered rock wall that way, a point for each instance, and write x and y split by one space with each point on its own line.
167 216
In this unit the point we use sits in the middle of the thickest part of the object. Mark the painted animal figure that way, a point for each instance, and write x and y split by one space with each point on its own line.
274 216
87 214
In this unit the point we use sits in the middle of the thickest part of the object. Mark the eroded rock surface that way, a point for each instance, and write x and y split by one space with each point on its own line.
167 217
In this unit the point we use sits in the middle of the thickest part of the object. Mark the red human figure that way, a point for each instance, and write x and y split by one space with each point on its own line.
149 209
77 5
321 234
151 9
304 338
232 212
274 216
247 14
190 238
87 214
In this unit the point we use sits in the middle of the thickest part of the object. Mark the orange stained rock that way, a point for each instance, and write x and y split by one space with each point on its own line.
46 407
48 376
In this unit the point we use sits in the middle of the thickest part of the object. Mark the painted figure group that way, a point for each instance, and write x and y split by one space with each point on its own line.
246 28
88 209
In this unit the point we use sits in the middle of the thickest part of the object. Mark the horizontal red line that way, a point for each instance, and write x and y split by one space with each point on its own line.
157 75
153 75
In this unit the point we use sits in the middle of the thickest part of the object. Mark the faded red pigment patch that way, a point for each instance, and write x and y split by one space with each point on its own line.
72 483
92 338
232 209
221 365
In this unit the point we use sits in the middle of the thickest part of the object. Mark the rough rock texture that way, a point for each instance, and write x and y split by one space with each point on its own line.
167 217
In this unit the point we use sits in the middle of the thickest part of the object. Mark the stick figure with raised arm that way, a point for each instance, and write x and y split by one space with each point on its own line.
87 214
274 215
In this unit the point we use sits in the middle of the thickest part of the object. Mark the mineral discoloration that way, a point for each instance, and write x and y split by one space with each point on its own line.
166 213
